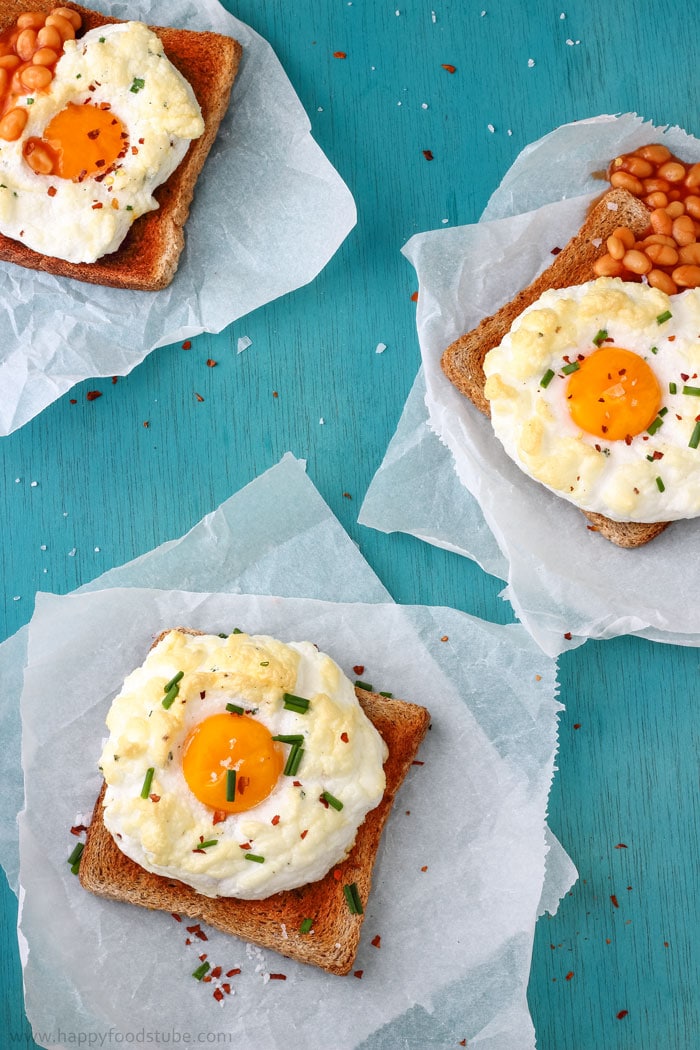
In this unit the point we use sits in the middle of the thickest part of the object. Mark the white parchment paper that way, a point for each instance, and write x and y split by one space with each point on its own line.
456 939
269 212
562 578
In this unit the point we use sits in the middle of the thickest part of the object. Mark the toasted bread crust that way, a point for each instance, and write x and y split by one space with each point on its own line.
148 257
463 361
274 922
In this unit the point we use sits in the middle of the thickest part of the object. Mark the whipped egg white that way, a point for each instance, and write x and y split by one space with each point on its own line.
309 820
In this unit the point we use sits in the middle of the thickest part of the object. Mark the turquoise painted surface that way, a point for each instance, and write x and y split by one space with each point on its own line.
628 773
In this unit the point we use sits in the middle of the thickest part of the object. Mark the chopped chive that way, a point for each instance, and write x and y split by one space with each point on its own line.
654 349
572 367
222 634
136 85
695 437
364 685
74 859
660 485
147 780
235 709
230 785
331 800
169 698
306 925
296 703
672 388
665 316
650 458
600 336
236 630
207 844
654 425
352 898
173 681
200 971
389 696
693 391
547 378
289 738
663 411
264 663
255 857
293 760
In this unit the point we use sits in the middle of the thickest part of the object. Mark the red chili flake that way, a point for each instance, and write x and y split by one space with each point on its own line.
538 677
203 958
202 935
428 154
346 495
569 975
358 973
337 874
226 987
278 977
188 941
134 150
199 850
685 377
198 396
202 694
245 845
115 380
218 994
621 1014
52 191
463 1042
105 105
424 868
296 783
211 363
207 979
154 798
376 942
241 784
567 635
449 67
613 899
340 54
96 207
417 762
92 395
445 638
359 668
275 394
141 141
193 929
219 817
216 972
671 338
176 917
344 737
233 973
276 819
620 845
323 801
78 829
592 528
74 401
554 251
665 944
577 725
414 297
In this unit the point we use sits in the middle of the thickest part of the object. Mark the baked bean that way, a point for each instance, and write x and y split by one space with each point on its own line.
661 254
66 29
692 205
673 171
663 281
606 266
16 86
45 56
636 262
659 238
615 247
687 276
675 208
26 44
49 36
38 158
690 254
637 166
683 230
655 152
656 185
656 200
622 180
661 221
36 78
692 179
72 16
9 62
624 234
30 20
12 124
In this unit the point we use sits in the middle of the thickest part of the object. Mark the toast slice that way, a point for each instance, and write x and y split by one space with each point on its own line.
275 921
463 361
148 257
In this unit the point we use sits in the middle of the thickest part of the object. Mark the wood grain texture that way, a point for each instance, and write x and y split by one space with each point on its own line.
106 480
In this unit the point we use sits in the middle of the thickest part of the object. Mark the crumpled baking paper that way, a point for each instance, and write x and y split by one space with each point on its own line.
269 212
455 939
562 579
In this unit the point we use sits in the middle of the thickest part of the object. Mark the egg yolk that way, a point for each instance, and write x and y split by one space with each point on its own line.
78 142
231 742
614 394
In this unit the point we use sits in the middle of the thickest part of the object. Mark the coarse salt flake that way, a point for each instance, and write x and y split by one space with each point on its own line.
530 63
491 128
33 484
381 347
243 343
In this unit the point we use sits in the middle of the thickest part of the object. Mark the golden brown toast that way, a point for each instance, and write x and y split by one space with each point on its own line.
463 361
147 259
275 922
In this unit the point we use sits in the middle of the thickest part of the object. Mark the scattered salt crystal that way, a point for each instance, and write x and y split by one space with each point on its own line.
34 484
444 221
397 12
71 554
321 421
562 16
243 343
483 13
491 128
381 347
17 598
43 547
320 109
285 935
424 105
17 481
612 205
571 42
596 242
530 62
509 131
97 550
433 17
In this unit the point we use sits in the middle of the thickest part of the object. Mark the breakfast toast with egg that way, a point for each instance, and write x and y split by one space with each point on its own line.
279 921
148 257
463 361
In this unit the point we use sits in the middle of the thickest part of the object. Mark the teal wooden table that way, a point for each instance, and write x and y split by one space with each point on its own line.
617 967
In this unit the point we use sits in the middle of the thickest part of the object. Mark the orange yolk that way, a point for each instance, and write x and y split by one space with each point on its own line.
237 742
80 141
614 394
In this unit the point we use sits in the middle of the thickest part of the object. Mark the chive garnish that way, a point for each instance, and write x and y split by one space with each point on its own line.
255 857
207 844
600 336
672 388
200 971
296 703
147 780
663 411
331 800
660 485
364 685
573 366
289 738
665 316
169 698
389 696
654 349
230 785
654 425
173 681
547 378
222 634
74 859
352 898
695 437
293 760
236 630
235 709
693 391
136 85
306 925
